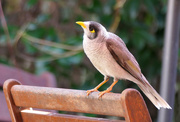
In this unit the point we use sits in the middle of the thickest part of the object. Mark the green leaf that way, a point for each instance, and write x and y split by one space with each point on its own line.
150 6
31 3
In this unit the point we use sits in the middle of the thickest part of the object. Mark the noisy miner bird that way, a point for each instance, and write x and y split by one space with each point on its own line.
110 56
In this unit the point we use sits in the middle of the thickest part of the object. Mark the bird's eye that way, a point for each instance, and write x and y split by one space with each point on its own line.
91 29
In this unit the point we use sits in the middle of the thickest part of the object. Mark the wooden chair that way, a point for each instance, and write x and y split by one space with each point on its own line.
21 98
6 72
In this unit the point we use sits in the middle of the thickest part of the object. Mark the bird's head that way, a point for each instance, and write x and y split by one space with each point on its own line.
92 29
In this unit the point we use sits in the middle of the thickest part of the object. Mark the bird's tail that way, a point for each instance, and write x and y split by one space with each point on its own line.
154 97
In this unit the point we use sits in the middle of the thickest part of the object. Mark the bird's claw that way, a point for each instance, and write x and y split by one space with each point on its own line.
103 92
89 91
100 93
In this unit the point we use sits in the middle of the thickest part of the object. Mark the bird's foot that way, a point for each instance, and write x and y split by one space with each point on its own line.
92 90
103 92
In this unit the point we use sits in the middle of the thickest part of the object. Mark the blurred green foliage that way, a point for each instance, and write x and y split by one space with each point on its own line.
141 25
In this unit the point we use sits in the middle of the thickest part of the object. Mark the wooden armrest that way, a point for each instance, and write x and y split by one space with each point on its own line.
129 104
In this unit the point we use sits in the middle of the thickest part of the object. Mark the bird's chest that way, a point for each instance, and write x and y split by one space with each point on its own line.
97 53
93 50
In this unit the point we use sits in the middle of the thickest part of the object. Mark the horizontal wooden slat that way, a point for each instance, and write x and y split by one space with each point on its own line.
67 100
40 116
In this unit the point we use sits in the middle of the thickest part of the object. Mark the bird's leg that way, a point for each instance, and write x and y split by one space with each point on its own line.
108 89
106 78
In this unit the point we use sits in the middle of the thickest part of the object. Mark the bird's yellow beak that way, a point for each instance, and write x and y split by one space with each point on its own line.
81 23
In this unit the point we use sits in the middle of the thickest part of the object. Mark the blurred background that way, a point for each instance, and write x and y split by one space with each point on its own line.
41 35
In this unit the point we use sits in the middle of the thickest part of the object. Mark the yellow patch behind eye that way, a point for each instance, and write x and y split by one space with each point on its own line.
93 31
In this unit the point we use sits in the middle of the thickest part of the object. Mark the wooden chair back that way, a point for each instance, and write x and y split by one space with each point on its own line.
6 72
21 98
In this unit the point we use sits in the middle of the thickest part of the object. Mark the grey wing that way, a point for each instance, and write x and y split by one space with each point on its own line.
123 57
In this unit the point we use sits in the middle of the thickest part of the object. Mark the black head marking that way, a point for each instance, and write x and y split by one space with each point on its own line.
93 26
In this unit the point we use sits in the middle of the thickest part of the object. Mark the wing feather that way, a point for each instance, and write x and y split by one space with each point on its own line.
123 57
